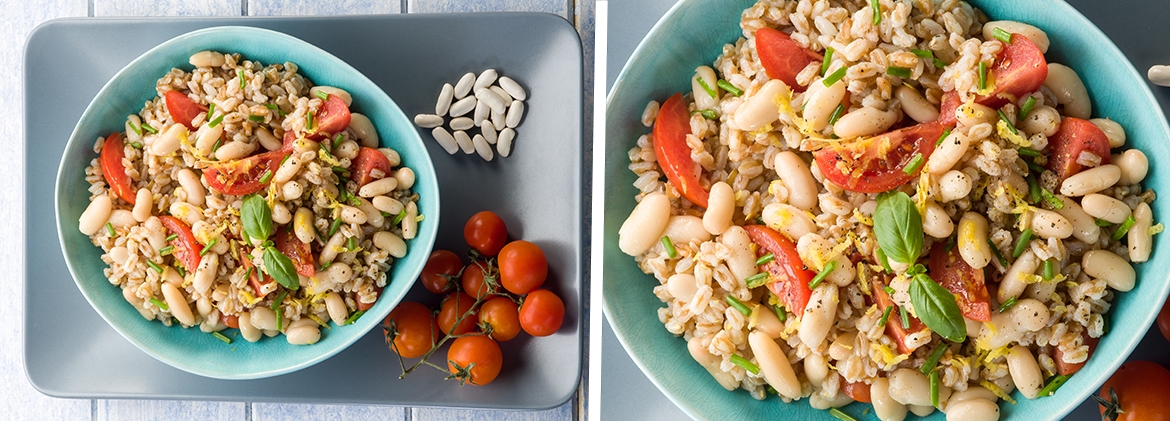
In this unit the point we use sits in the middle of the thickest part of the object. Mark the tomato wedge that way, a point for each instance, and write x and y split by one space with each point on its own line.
894 324
332 117
246 175
255 278
672 152
857 391
789 277
111 159
366 306
953 273
876 164
182 108
782 57
364 164
1069 368
299 252
1075 136
186 247
1019 69
946 110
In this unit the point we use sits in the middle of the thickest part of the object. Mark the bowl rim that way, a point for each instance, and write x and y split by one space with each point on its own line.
424 240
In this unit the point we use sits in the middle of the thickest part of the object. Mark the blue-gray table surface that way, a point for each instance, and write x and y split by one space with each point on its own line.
20 400
627 394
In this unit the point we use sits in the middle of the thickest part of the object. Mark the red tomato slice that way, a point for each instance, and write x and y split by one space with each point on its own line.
186 247
789 277
894 324
182 108
1075 136
254 278
953 273
946 110
112 154
232 321
299 252
242 176
366 306
857 391
674 155
1068 368
332 117
875 165
782 57
366 161
1019 70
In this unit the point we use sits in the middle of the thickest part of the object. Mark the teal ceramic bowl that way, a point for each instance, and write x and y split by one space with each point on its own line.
663 65
190 349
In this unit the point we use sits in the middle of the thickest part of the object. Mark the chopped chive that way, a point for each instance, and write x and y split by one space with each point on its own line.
136 128
1026 108
211 109
150 129
154 266
110 229
727 86
828 59
1054 384
172 237
780 313
279 300
1028 152
387 214
338 169
248 273
739 305
158 303
998 255
1052 200
351 243
353 318
136 145
888 289
938 64
309 124
166 250
832 265
1004 117
1034 167
1002 35
934 389
321 94
1022 243
243 83
218 143
326 265
1049 271
256 118
707 114
885 316
1033 189
283 160
932 361
923 53
950 244
398 218
837 112
671 252
745 364
337 224
208 247
325 150
905 317
706 87
272 107
1101 222
182 271
266 176
946 133
982 76
836 413
215 122
896 71
881 255
837 75
877 12
1125 226
914 165
763 260
280 318
1008 304
220 336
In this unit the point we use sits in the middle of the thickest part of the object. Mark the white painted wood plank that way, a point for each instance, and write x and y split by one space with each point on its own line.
558 7
564 412
105 410
318 7
168 7
280 412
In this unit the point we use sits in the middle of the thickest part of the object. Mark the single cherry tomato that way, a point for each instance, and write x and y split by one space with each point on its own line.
232 321
113 152
877 164
782 57
299 252
1018 70
473 280
894 324
183 110
503 315
857 391
672 152
1164 320
523 267
788 277
367 160
486 232
332 117
475 359
953 273
542 313
1075 136
246 175
440 268
456 305
255 278
410 330
1069 368
1140 389
187 248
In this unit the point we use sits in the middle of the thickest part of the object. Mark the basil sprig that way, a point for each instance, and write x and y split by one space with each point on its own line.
280 268
898 227
256 216
936 306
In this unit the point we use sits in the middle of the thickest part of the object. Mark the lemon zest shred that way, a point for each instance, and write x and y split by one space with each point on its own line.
1005 133
994 389
319 321
861 218
1155 229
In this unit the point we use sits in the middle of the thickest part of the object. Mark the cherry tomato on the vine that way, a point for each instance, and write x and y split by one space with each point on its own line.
503 315
1140 389
486 232
456 305
440 266
542 314
473 281
411 331
479 350
523 267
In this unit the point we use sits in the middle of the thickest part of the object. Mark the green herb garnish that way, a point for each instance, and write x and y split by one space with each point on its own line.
706 87
825 61
739 305
763 260
829 267
154 266
837 75
896 71
256 217
1002 35
158 303
914 164
353 318
898 227
1125 226
745 364
837 112
1008 304
932 360
1022 243
110 229
280 268
1026 108
220 336
671 252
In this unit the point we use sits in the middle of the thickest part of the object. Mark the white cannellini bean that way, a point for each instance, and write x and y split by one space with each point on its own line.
788 219
268 141
364 129
335 305
914 105
156 235
842 347
954 185
971 114
1025 371
973 410
133 122
682 286
387 204
711 363
391 243
1000 331
769 324
1159 75
819 401
515 113
1049 224
392 156
426 121
187 212
193 186
263 318
482 147
336 274
330 90
816 368
405 177
500 92
1105 207
121 218
461 123
812 244
206 137
143 204
885 407
206 59
972 240
463 106
168 142
1014 282
330 249
910 387
645 224
686 229
347 149
119 254
171 276
203 306
288 170
774 365
482 113
489 134
235 149
1133 165
1030 32
281 214
802 188
864 121
1141 242
303 333
514 89
410 222
1084 227
499 120
463 87
972 393
703 99
742 262
352 215
205 273
445 140
504 145
758 110
819 315
303 225
1069 89
492 100
1091 180
291 190
1042 119
948 153
464 142
250 332
820 102
935 222
378 187
1029 315
96 215
178 304
485 79
720 207
1113 131
373 216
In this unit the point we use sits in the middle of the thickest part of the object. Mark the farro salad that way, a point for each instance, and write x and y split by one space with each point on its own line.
893 202
243 196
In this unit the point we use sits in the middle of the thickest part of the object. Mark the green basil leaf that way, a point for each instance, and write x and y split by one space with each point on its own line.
937 309
280 268
898 227
256 216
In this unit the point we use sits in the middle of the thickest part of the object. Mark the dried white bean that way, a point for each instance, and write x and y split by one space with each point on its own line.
1084 227
818 315
426 121
514 89
915 106
492 100
464 86
482 147
711 363
515 113
703 99
482 113
1159 75
463 106
206 59
1113 131
504 145
378 187
499 120
485 79
167 142
1116 272
1134 166
720 206
936 223
885 407
954 185
1141 242
1091 180
462 123
464 142
178 304
391 243
645 225
1069 89
1049 224
143 204
500 92
774 365
1030 32
1105 207
446 141
972 240
318 90
758 110
1025 371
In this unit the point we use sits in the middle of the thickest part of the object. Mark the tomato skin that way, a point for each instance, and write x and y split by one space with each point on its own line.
485 231
857 391
782 57
441 265
366 161
473 281
1069 368
789 279
299 252
1141 391
187 248
1018 70
504 317
523 267
946 109
363 306
182 109
332 117
953 273
894 324
542 313
455 305
672 152
1075 136
232 321
254 278
1164 320
417 331
876 164
113 152
478 349
242 176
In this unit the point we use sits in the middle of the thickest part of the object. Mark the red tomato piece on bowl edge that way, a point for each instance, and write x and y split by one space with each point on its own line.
113 152
1074 137
182 109
877 164
332 117
1019 69
364 164
967 283
788 277
672 152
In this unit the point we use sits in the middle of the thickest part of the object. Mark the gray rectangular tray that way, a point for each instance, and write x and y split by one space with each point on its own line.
71 352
